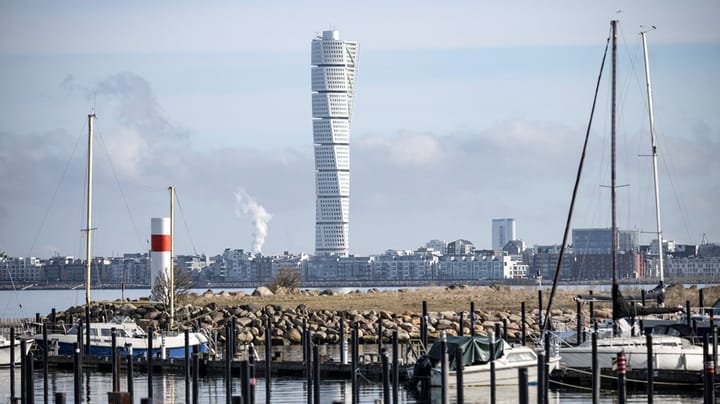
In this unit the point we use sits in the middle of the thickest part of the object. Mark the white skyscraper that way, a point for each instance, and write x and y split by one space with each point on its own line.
334 66
503 230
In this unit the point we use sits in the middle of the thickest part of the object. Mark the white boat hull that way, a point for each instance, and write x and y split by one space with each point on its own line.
669 353
5 351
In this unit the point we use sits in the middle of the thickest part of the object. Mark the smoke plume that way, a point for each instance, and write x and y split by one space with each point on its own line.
247 205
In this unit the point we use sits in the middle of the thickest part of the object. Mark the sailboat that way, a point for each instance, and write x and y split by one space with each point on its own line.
670 352
98 335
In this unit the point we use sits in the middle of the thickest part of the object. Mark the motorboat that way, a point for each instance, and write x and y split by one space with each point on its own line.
668 353
6 346
476 366
131 339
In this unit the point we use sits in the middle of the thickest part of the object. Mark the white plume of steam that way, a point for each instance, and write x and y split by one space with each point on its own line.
247 205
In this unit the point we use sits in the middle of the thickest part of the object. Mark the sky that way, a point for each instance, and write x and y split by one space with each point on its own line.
465 111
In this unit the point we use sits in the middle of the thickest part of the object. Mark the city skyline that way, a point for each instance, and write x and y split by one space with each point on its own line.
481 117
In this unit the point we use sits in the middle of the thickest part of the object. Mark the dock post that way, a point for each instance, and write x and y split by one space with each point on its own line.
29 384
701 301
444 367
86 348
650 365
461 326
113 359
251 374
233 338
343 342
80 341
59 398
493 396
595 369
714 343
548 352
523 397
187 366
354 364
385 376
149 361
77 374
23 371
578 318
540 306
245 381
621 370
642 297
53 322
196 377
459 375
228 363
708 372
523 329
268 361
129 365
497 330
505 325
424 324
540 378
45 362
395 367
688 314
379 336
316 374
306 354
472 319
592 308
308 366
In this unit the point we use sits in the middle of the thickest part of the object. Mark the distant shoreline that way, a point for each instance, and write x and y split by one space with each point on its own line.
367 284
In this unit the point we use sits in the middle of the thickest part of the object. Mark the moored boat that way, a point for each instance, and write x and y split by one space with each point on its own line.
6 346
127 332
476 354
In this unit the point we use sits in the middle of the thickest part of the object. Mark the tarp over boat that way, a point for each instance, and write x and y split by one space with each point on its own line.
475 350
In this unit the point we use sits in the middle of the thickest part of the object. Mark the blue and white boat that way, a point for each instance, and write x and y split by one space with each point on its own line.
130 340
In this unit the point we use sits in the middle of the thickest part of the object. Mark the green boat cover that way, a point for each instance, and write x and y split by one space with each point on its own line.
475 350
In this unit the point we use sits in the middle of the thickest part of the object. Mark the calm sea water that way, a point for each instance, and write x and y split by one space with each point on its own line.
170 388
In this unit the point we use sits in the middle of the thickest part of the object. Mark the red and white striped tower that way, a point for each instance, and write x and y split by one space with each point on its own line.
160 249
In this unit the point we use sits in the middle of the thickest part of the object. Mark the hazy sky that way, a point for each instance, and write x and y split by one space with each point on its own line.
464 112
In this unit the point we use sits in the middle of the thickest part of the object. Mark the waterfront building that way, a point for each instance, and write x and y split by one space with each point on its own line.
236 265
324 268
599 241
21 269
460 247
437 245
405 265
130 269
334 64
503 230
544 259
693 267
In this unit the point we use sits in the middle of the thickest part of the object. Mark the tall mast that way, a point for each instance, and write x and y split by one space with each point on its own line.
88 229
651 114
172 257
615 291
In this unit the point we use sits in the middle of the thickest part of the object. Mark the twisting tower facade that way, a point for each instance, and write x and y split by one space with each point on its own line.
334 65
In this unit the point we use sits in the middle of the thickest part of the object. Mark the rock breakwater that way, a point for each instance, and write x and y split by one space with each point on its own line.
287 321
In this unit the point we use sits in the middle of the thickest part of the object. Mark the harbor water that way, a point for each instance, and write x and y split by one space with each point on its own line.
170 388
